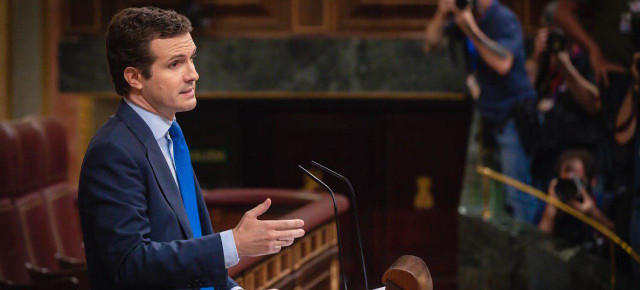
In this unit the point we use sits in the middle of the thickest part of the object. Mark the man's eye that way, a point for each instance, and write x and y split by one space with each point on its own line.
173 64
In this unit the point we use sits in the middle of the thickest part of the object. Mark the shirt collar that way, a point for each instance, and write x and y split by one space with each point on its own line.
159 125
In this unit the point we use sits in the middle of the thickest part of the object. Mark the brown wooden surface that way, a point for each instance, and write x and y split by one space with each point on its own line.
284 18
308 263
408 273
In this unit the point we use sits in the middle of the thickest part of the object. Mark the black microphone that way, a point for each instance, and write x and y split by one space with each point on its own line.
335 212
355 215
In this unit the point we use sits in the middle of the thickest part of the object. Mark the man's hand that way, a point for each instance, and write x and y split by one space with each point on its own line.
446 6
586 206
540 42
552 193
464 19
254 237
634 68
602 67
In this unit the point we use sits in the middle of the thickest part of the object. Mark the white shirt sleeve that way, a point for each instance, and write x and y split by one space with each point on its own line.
229 248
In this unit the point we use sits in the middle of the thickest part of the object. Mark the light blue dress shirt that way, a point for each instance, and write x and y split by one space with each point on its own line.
160 128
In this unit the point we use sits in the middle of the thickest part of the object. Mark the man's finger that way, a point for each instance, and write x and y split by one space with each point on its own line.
552 187
286 224
260 209
612 67
283 243
289 234
287 242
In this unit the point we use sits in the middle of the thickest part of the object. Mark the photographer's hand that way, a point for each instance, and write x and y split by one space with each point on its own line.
602 67
547 221
539 47
587 206
540 43
445 6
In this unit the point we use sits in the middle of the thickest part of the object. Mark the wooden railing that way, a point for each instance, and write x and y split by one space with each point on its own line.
310 261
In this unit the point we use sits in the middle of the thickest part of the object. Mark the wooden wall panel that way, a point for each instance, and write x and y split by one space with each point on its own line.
283 18
215 17
384 16
82 16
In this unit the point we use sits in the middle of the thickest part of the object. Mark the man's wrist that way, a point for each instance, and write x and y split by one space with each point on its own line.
593 48
231 257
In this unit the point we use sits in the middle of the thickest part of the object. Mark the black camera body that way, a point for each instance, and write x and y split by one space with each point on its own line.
569 189
462 4
556 41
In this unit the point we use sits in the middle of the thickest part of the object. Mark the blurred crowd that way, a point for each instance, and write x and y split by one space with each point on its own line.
559 109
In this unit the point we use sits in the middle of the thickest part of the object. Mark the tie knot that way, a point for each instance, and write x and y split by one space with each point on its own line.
175 130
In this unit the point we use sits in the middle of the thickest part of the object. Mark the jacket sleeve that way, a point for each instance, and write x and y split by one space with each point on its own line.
113 195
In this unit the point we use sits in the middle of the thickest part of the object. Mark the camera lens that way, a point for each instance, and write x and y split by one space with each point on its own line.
566 189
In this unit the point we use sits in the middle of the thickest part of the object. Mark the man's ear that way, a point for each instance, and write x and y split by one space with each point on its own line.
133 76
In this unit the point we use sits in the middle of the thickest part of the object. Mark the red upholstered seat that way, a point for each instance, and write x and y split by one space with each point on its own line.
55 146
14 251
32 155
10 157
40 241
65 221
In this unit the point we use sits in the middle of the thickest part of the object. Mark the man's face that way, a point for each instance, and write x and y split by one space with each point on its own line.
171 87
573 169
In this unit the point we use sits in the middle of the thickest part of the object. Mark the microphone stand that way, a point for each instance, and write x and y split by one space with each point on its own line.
335 212
355 215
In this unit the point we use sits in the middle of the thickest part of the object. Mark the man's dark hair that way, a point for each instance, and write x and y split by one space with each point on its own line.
129 36
582 155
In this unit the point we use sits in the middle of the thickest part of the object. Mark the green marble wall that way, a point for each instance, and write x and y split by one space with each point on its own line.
298 64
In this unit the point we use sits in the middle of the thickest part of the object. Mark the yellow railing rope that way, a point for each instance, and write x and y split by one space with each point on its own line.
560 205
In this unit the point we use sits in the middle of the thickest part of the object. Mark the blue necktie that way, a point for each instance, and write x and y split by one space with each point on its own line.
184 173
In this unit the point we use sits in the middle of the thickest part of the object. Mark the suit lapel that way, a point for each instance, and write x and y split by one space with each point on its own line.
158 164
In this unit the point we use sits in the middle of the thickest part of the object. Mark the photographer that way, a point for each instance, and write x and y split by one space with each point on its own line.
574 186
608 42
568 99
495 52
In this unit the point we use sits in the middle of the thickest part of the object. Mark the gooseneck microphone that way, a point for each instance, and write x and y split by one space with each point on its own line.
335 212
355 214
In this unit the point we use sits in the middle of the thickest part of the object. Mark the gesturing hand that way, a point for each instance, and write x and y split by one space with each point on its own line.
254 237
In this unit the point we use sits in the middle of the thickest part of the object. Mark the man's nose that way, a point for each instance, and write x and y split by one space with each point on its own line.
192 74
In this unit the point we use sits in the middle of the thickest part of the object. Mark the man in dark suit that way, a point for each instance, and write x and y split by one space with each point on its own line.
144 219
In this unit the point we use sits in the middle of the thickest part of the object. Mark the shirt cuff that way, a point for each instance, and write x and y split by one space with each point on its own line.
229 248
237 288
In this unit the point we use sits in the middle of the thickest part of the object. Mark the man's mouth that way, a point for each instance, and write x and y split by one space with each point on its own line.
188 91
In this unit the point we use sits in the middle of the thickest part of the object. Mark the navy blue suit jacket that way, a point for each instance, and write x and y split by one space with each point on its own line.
135 226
